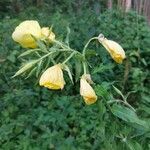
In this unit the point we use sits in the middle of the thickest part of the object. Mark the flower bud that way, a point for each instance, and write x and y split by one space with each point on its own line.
25 32
52 78
51 37
87 92
116 51
45 31
47 34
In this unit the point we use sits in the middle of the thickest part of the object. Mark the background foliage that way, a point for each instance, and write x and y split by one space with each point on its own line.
34 118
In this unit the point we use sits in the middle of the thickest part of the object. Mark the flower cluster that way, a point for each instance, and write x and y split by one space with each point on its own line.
27 35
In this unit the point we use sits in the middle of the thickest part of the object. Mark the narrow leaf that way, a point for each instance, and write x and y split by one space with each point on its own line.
119 92
28 52
69 73
127 115
25 67
78 69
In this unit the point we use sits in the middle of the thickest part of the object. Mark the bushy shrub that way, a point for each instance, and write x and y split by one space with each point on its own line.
36 118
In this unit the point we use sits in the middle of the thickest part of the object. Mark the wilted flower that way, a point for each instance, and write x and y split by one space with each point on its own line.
25 32
87 91
52 78
115 50
47 34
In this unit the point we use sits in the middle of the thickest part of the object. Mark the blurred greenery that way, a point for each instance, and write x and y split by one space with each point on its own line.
34 118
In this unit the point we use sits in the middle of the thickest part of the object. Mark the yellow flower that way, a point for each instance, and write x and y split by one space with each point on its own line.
45 31
24 32
51 37
116 51
47 34
87 92
52 78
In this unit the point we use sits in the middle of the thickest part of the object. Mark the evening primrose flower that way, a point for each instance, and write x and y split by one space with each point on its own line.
87 91
25 32
52 78
47 34
116 51
45 31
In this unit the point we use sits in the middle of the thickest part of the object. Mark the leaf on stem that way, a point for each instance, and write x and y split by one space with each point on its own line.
39 67
119 92
25 67
69 72
42 46
27 52
127 115
78 69
31 72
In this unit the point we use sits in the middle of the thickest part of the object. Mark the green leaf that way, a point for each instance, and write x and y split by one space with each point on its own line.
78 69
27 52
25 67
39 66
31 72
102 90
134 145
101 68
42 46
119 92
69 72
127 115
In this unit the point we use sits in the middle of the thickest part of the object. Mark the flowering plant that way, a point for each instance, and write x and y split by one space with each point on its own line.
46 49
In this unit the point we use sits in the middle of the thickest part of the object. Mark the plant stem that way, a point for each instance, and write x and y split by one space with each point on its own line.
124 102
86 45
84 52
65 47
46 55
84 67
70 56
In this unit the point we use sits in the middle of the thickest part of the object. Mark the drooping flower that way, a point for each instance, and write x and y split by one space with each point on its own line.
25 32
52 78
116 51
87 91
47 34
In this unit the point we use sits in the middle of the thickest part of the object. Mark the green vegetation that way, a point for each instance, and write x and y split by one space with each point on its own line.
35 118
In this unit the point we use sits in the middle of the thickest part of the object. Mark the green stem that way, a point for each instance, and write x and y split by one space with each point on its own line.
86 45
84 52
66 48
46 55
124 102
84 67
61 44
71 55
